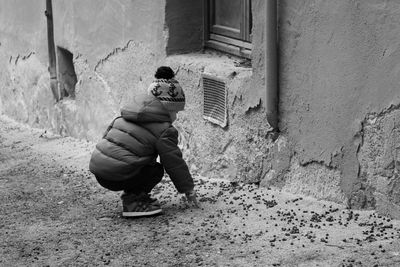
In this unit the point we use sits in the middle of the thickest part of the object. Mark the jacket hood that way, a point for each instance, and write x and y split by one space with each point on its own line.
145 108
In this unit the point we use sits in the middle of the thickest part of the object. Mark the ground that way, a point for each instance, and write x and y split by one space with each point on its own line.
53 213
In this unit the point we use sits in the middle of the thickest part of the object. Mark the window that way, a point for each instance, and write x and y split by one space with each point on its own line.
228 25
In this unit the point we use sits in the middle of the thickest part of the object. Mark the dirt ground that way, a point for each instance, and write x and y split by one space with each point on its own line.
53 213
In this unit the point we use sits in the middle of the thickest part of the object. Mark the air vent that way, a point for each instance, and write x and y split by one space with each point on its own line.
215 95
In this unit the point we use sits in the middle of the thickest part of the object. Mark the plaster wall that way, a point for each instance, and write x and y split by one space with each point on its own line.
235 152
239 151
379 156
114 54
98 29
23 30
340 61
23 59
116 48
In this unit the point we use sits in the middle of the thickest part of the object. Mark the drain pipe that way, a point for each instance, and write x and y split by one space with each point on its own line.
271 62
52 50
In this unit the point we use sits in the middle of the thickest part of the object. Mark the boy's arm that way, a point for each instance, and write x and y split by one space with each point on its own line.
174 164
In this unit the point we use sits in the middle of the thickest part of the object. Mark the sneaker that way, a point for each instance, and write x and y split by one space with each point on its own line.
144 196
147 197
139 206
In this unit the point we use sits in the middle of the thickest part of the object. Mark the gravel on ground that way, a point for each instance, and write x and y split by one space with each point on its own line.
53 213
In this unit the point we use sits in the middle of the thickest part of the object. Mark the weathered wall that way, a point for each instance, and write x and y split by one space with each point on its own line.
96 28
23 58
116 48
340 61
235 152
238 151
23 29
338 75
379 157
114 55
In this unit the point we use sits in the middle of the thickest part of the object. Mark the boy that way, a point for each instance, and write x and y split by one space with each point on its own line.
125 159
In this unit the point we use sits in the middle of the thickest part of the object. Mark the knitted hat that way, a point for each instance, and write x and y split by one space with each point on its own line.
169 92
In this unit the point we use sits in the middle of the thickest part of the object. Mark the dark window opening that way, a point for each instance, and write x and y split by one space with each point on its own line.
66 73
228 26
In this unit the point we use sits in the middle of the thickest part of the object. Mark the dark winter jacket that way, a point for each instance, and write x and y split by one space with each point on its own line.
135 139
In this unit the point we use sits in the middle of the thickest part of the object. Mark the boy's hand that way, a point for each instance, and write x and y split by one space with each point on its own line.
192 199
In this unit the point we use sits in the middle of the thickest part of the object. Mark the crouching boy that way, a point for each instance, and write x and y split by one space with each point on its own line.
125 158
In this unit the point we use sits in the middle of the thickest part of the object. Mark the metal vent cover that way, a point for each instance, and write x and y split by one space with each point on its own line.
215 100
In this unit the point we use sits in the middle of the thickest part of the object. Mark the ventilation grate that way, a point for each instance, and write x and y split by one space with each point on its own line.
215 95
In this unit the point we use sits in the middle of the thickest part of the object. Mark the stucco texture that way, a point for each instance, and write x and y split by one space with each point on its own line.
379 158
95 28
23 60
339 62
113 52
235 152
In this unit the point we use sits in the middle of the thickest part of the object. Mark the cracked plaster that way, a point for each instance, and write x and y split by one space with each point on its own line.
339 62
379 158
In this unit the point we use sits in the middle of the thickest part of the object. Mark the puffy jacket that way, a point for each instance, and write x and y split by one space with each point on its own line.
135 139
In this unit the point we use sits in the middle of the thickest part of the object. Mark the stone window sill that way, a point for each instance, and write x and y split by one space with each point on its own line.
212 63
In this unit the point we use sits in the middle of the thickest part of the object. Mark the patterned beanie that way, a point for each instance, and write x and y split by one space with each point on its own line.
169 92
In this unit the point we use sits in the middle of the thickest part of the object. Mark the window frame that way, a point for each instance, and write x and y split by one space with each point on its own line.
214 38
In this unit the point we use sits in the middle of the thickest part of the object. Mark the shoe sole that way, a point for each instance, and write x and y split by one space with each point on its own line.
141 213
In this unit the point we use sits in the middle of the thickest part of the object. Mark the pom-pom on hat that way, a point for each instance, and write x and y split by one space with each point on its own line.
164 72
167 90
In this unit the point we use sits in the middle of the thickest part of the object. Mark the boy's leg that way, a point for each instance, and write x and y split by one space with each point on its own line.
136 201
143 182
148 177
111 185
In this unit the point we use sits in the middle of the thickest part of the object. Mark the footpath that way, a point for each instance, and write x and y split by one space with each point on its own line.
53 213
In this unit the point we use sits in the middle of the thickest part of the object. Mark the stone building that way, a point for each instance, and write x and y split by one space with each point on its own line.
333 133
